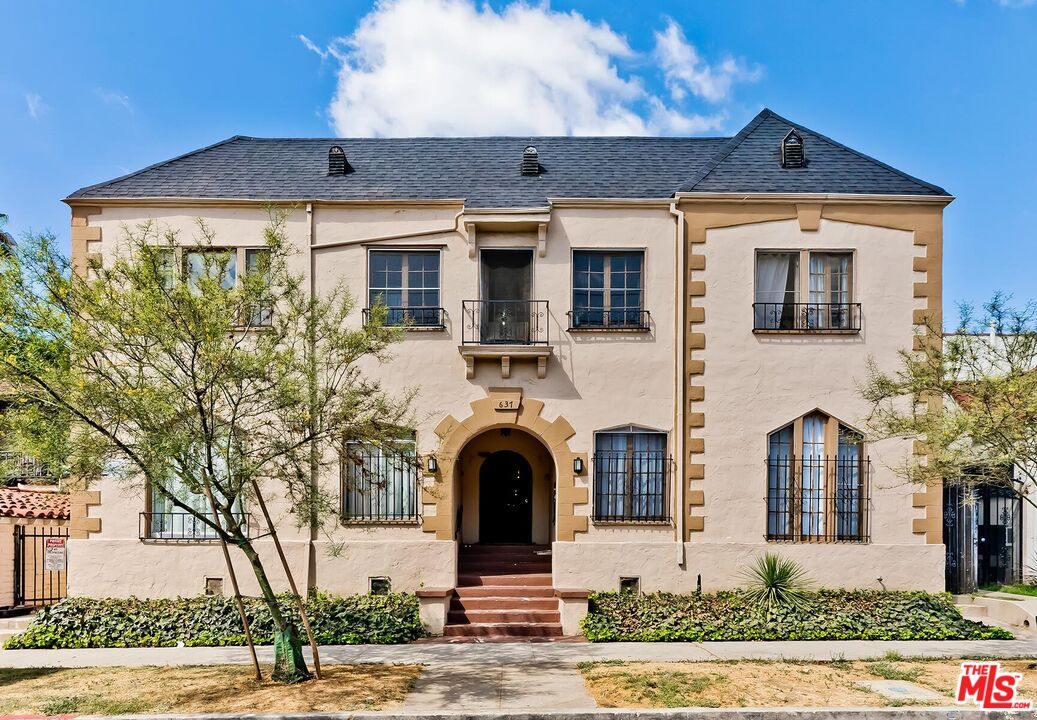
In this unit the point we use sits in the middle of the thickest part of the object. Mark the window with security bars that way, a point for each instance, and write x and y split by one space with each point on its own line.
631 476
608 290
379 483
817 482
407 283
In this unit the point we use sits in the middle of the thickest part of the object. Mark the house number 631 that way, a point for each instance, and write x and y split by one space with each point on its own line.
507 404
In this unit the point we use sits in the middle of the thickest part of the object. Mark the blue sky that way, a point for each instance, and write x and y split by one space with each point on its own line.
944 90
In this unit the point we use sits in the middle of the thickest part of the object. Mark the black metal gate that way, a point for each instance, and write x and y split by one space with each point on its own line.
39 565
983 534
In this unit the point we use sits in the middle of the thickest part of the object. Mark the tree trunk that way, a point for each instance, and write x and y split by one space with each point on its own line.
289 665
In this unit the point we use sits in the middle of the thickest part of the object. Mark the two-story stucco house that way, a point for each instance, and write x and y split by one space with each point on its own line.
637 360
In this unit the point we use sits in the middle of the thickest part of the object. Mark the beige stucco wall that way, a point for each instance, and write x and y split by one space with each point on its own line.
754 384
6 563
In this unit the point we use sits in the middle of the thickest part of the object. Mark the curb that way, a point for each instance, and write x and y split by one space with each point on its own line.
927 713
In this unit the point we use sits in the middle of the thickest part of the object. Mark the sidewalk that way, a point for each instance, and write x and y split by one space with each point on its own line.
527 653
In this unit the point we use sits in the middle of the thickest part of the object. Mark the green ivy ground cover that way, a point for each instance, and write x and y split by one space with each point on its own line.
827 615
214 621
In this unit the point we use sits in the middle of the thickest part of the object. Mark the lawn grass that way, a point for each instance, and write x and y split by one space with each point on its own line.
192 689
776 683
1013 589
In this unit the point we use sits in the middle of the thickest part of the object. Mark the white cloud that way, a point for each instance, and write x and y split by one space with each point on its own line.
686 71
35 105
312 46
448 67
113 97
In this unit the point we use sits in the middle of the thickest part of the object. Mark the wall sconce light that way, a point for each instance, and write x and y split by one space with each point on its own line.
578 466
432 465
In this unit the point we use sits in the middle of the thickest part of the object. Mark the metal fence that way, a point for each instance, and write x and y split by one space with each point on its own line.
16 468
818 499
632 486
505 322
808 317
40 573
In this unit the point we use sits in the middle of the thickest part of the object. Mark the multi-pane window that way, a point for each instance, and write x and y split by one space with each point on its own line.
608 289
257 263
379 483
631 470
827 302
192 265
817 479
407 283
215 263
167 520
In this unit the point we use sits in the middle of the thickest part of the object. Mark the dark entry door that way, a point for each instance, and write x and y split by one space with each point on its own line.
505 499
997 535
507 287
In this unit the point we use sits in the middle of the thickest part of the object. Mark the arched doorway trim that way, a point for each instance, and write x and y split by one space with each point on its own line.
505 407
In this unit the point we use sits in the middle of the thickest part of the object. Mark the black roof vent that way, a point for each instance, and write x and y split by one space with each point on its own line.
793 154
337 164
530 161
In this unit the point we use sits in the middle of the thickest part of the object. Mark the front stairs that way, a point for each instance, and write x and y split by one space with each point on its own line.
504 591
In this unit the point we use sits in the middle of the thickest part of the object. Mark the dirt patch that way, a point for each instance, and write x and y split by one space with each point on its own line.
219 688
774 684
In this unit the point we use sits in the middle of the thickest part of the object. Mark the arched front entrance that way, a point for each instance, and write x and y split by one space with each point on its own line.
505 478
451 503
505 499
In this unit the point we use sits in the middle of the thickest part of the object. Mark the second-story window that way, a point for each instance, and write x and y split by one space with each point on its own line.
215 263
805 290
407 283
608 290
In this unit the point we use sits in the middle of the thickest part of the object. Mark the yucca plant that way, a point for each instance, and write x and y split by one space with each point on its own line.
776 583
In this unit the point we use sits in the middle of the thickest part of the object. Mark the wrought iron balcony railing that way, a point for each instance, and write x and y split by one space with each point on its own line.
807 317
632 486
598 319
824 499
16 468
505 322
419 317
185 526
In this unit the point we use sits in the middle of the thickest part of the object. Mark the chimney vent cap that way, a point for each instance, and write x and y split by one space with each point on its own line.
530 161
337 164
793 150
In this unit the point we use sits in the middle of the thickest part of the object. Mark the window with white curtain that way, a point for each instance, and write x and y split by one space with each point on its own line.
380 483
631 469
170 521
817 481
804 290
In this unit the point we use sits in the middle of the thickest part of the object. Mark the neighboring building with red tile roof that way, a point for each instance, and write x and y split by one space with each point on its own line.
41 504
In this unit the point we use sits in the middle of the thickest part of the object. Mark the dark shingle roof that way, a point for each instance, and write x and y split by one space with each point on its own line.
750 162
484 171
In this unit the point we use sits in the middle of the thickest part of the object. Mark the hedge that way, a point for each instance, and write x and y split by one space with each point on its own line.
214 621
828 615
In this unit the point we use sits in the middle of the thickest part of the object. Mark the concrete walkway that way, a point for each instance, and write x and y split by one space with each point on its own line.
531 653
504 686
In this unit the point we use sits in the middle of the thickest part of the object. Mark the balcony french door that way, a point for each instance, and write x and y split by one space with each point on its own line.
506 294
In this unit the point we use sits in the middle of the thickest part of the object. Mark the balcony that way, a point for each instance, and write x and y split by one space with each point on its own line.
820 500
618 320
632 487
827 318
184 526
16 468
505 330
412 318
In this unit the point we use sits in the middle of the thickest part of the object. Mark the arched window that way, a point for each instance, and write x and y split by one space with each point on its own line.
817 481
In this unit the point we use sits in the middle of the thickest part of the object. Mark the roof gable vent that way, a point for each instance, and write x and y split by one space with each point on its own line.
793 154
337 164
530 161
